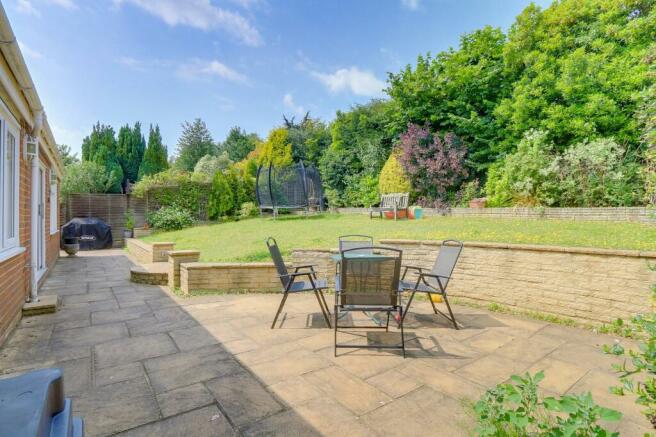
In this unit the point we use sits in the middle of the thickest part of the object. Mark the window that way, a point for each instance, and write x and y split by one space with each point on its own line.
9 178
54 205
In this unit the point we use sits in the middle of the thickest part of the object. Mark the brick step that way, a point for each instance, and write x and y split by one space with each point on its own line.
152 276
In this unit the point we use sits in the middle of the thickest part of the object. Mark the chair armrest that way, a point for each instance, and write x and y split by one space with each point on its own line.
430 275
295 274
308 266
406 268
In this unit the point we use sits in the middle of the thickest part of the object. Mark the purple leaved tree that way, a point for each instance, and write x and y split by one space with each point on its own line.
435 163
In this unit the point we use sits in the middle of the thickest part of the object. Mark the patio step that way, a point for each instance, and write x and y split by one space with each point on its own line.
45 305
153 274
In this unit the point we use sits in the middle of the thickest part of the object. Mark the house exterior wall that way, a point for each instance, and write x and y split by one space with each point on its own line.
15 265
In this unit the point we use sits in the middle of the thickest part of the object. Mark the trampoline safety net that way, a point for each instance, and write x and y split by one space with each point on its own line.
292 187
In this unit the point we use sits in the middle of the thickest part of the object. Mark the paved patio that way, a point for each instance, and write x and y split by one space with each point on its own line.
140 361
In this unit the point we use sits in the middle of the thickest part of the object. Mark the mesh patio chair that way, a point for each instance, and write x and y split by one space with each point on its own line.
291 284
436 280
363 243
368 282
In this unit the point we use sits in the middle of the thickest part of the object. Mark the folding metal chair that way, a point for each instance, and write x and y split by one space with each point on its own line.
290 283
363 243
435 281
368 282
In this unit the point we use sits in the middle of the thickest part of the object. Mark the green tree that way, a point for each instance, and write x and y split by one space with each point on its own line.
194 143
361 141
209 164
309 138
457 91
221 199
238 144
155 157
86 177
100 147
66 155
277 148
578 70
130 151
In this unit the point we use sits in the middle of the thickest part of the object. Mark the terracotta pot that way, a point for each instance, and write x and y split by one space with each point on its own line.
478 203
399 214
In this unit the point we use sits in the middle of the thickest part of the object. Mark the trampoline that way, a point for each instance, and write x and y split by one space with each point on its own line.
292 187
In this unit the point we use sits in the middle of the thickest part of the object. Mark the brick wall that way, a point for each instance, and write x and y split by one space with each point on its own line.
149 252
619 214
589 285
229 277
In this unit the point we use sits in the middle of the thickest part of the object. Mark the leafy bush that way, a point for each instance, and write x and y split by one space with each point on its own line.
639 377
393 178
210 164
363 191
170 218
277 148
596 173
435 163
87 177
520 178
516 409
221 199
174 188
248 209
468 191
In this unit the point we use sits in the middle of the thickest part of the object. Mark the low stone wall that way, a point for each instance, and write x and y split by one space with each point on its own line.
229 277
147 253
588 285
619 214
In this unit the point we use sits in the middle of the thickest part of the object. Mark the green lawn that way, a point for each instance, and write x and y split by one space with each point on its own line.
244 240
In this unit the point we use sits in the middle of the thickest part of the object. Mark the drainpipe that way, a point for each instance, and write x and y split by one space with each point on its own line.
36 210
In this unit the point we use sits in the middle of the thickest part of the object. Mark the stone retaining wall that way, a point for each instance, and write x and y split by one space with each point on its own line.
588 285
619 214
229 277
148 253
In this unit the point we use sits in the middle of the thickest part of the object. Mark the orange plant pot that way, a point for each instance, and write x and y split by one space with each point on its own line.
399 214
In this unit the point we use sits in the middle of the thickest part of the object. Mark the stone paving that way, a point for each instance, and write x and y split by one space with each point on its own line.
139 361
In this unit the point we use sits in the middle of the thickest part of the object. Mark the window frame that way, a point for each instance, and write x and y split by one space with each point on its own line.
7 127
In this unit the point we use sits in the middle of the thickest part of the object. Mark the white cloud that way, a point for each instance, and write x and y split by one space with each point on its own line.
29 52
26 7
362 83
207 69
288 101
201 14
413 5
132 63
67 4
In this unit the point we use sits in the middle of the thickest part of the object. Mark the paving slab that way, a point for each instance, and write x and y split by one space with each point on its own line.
89 336
184 399
352 392
243 398
116 407
131 349
123 372
204 422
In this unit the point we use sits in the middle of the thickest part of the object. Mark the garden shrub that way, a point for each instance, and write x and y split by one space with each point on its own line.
435 163
596 173
516 409
638 376
174 188
87 177
248 209
520 178
468 191
170 218
362 191
210 164
393 178
221 200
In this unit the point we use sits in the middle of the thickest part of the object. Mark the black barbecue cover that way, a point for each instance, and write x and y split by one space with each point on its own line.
92 232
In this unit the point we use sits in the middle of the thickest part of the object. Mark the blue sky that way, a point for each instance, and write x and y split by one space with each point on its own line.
230 62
